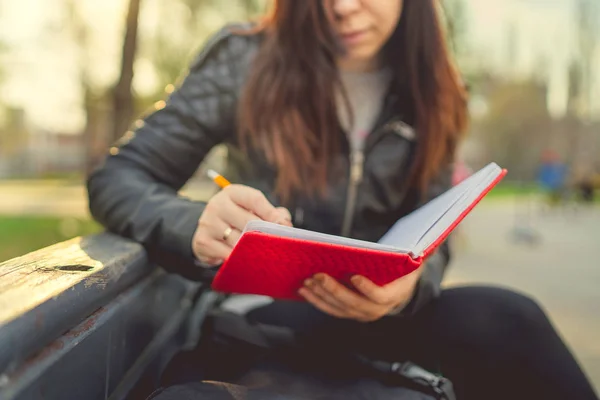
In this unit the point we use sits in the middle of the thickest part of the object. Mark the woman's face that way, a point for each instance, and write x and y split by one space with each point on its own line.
364 26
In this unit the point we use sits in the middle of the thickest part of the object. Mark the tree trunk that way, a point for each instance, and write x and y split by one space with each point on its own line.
123 101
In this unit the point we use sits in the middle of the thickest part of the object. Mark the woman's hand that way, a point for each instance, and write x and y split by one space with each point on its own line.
372 303
226 215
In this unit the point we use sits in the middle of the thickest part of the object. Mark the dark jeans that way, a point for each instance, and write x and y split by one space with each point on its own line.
492 343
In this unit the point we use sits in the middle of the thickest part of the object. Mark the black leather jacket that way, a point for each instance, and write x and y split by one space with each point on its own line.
134 192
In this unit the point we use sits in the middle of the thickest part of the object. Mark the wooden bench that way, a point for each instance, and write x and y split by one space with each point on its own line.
91 318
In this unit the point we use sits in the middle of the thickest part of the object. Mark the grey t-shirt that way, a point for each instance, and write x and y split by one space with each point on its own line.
365 92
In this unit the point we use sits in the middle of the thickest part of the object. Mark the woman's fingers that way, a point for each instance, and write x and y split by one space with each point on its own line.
254 201
325 296
343 299
225 217
320 304
214 238
349 299
286 216
224 232
208 249
375 293
234 215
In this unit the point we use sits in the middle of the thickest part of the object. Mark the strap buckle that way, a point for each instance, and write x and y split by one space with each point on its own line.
441 387
410 374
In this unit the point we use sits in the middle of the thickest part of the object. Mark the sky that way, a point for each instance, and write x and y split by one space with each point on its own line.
42 68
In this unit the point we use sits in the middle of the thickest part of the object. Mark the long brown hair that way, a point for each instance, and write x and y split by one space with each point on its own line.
288 107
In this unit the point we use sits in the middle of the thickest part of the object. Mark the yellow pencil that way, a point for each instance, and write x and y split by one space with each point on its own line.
218 178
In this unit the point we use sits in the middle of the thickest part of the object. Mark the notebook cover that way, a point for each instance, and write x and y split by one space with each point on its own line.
462 216
275 266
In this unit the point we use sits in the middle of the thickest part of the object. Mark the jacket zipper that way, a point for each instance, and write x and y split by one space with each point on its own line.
357 164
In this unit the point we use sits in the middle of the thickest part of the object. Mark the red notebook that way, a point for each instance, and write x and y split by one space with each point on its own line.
274 260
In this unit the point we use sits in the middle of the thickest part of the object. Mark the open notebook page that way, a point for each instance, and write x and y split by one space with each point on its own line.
453 214
423 226
297 233
411 233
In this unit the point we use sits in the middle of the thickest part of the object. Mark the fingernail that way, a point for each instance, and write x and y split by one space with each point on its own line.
309 283
320 278
357 280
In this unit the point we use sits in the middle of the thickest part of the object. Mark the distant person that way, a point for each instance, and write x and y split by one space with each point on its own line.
586 188
340 116
552 176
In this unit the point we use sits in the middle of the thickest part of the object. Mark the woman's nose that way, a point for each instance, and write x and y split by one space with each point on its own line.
345 7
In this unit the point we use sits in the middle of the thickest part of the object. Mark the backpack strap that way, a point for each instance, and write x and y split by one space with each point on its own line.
413 376
264 337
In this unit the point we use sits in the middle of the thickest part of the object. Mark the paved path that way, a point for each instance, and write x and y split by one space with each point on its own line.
59 198
562 272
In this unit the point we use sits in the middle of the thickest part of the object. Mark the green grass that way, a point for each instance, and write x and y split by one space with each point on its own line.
513 190
510 190
20 235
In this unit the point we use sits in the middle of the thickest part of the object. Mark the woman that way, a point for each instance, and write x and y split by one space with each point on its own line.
340 116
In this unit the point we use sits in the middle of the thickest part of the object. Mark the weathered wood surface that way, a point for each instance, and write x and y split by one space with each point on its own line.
49 291
126 341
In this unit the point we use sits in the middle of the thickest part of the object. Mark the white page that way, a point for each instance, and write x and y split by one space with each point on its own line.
454 213
429 219
297 233
411 234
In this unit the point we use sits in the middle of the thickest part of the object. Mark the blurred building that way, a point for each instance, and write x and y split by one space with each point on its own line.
14 137
30 152
51 153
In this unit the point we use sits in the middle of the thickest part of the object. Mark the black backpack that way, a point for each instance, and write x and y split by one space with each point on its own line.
257 361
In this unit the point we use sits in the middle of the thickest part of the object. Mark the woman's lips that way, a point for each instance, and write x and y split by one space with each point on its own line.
353 37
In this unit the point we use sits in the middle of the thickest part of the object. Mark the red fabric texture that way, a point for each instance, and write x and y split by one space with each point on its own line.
275 266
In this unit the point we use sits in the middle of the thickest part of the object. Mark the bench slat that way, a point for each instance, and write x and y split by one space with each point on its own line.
105 355
47 292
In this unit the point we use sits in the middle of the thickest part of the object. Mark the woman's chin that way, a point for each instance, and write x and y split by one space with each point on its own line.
359 60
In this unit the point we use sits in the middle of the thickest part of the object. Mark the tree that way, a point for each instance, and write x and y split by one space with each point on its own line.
517 126
183 27
455 12
123 98
94 96
587 16
581 78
